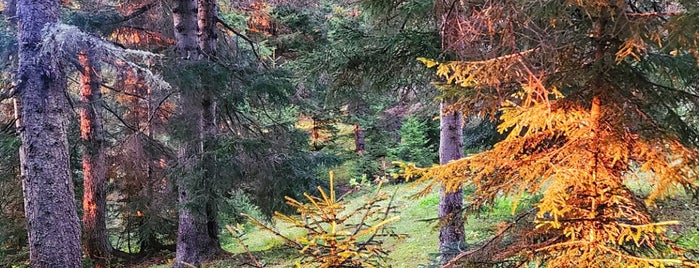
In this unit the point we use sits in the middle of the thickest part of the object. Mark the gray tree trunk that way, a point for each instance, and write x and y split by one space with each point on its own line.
197 235
49 201
95 236
207 37
184 16
359 139
451 233
207 34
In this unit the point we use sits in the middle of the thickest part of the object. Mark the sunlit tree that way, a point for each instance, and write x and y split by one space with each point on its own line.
591 94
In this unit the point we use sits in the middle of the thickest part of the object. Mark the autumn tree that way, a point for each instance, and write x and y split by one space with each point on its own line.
592 94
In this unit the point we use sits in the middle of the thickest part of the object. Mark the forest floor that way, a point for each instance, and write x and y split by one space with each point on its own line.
417 216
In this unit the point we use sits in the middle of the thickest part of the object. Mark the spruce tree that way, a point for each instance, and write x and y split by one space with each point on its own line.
52 219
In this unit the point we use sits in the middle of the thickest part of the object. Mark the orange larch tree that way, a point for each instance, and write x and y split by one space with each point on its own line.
591 94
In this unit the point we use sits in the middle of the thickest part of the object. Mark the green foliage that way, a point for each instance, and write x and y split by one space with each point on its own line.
363 182
13 234
337 235
414 146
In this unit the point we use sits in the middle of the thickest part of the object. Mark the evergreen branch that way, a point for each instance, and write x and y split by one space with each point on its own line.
462 255
245 247
9 127
136 13
157 107
123 92
247 39
106 107
684 93
638 259
263 226
686 132
655 13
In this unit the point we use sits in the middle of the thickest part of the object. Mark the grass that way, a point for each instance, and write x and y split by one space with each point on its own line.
417 221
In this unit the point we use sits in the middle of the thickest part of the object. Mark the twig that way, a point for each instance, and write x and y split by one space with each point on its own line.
454 260
252 43
245 247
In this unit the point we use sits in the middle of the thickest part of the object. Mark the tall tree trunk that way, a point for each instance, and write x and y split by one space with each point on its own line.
359 141
451 233
49 201
197 236
213 244
97 245
207 44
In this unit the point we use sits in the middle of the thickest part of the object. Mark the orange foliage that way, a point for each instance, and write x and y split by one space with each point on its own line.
131 37
578 149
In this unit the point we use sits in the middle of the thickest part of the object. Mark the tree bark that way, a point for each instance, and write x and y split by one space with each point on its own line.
184 16
359 140
207 44
52 221
451 233
197 235
95 236
207 34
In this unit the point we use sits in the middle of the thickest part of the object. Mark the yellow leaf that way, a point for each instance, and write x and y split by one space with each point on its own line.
428 62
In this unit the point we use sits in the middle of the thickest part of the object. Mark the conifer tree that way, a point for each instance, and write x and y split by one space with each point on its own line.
592 94
53 225
450 211
193 239
96 239
198 231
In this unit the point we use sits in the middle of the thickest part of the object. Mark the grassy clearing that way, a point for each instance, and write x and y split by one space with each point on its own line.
417 221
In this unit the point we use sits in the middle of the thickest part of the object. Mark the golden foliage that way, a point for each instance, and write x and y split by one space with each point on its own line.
338 235
579 154
578 88
579 159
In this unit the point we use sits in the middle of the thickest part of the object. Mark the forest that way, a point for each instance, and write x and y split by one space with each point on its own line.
349 133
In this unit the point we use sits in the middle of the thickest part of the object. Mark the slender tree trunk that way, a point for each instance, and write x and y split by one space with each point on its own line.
359 141
97 245
49 201
207 34
207 44
213 244
451 233
197 236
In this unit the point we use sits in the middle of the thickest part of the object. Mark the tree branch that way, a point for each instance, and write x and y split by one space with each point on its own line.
252 43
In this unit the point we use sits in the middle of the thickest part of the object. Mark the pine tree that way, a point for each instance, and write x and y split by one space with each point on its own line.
414 145
96 239
592 94
53 225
